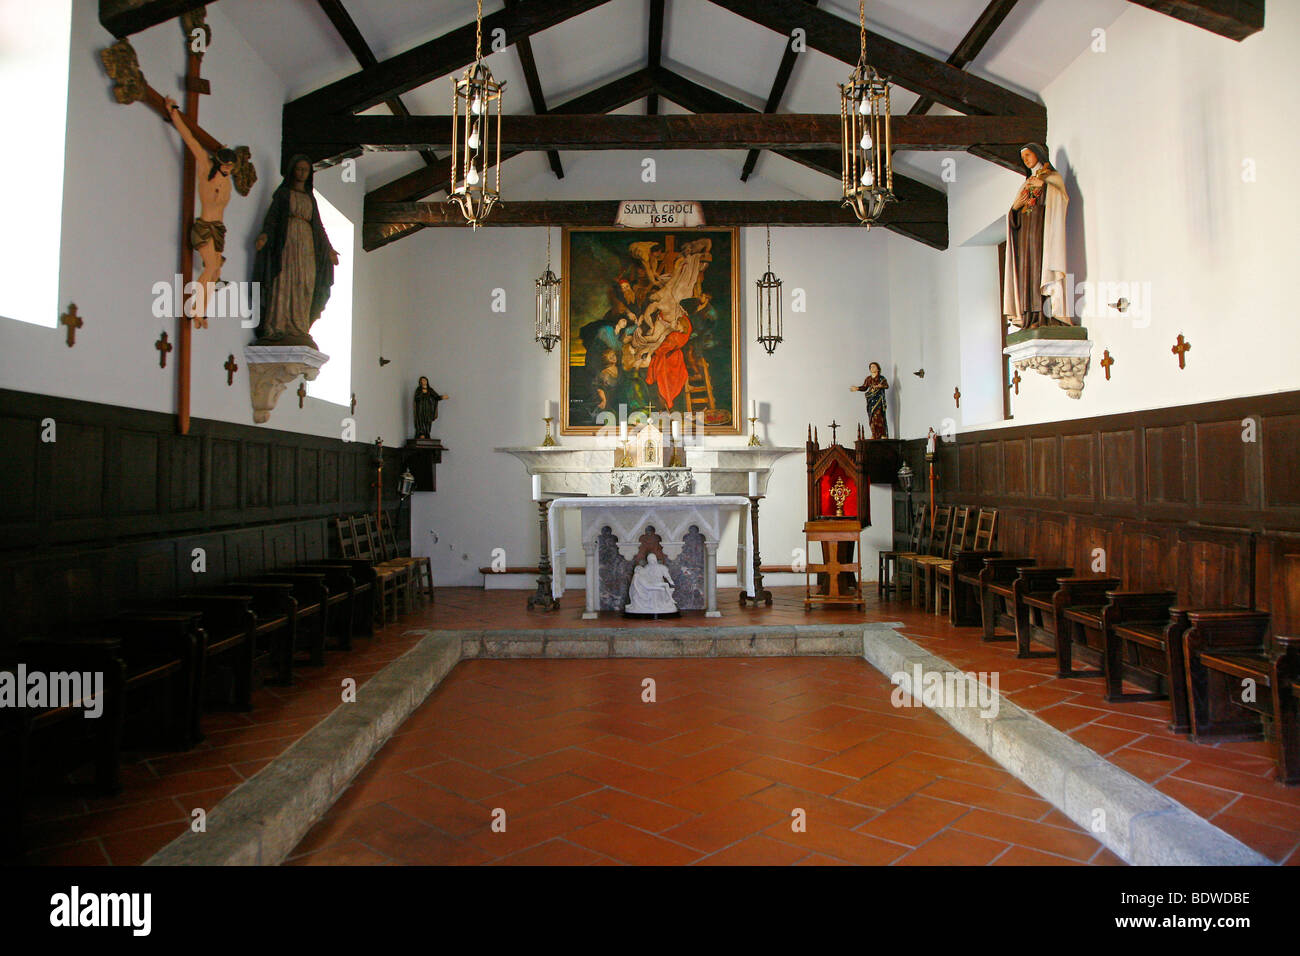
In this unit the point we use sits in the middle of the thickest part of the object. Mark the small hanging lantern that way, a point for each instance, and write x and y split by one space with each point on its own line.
548 303
768 316
868 173
476 137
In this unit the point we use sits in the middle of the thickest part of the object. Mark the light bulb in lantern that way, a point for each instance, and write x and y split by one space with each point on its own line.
472 140
472 178
864 106
868 178
476 105
866 141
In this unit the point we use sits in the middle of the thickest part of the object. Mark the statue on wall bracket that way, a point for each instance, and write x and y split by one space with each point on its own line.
425 406
1034 295
875 385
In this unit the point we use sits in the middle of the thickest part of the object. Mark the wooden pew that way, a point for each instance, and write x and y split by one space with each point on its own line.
363 578
1222 648
230 627
311 599
276 628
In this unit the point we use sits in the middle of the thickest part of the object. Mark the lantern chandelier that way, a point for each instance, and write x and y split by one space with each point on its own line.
769 304
868 173
475 143
548 303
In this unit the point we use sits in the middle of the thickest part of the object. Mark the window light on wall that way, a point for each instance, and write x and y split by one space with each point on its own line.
333 330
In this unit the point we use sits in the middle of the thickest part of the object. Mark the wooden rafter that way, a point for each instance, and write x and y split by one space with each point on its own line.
1234 19
774 98
799 212
125 17
656 50
428 61
971 44
700 99
524 47
329 137
925 75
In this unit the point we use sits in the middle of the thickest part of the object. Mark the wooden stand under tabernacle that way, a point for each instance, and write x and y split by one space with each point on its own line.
838 509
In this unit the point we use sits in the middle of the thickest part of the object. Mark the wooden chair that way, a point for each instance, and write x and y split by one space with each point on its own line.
939 573
940 543
357 549
368 531
903 562
887 560
421 567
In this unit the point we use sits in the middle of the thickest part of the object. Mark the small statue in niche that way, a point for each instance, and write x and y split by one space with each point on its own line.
875 385
1033 282
294 263
425 405
651 589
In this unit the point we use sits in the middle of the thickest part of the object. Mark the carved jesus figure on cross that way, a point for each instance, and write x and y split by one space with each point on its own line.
208 234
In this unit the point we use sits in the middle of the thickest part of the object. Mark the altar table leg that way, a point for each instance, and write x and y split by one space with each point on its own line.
593 586
711 580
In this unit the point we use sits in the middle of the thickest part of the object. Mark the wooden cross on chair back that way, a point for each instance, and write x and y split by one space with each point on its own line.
986 526
941 531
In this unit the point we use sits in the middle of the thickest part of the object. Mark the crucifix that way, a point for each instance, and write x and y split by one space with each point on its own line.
163 347
1180 349
956 396
129 86
73 322
231 368
302 393
834 428
1015 381
354 403
1107 362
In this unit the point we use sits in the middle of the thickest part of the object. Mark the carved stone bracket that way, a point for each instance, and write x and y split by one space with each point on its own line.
272 367
1064 353
651 482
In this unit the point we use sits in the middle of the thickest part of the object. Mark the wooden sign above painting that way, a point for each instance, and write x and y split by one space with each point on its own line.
651 325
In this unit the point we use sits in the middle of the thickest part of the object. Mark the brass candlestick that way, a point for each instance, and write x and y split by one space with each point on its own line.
548 441
753 436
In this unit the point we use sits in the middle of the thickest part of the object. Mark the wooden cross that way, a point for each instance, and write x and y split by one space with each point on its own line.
231 368
73 322
1107 362
1015 381
1180 349
302 392
834 426
671 255
163 347
354 403
956 396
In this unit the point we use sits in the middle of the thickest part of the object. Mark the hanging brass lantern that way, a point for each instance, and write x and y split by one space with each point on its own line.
548 303
768 315
476 137
868 174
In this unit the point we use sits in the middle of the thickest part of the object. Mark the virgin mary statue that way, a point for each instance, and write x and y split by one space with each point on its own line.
294 263
1033 283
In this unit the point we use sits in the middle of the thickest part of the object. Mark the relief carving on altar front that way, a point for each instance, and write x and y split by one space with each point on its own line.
686 569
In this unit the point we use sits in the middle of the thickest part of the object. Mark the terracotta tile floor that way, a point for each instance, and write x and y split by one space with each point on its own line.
1230 783
587 772
161 789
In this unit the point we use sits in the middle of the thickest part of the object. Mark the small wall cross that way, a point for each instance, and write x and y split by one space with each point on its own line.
1015 381
956 396
231 368
163 347
1181 348
1107 362
73 322
354 403
302 393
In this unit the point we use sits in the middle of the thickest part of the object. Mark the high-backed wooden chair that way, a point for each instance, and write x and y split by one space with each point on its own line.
940 544
887 580
963 533
391 579
971 555
386 559
421 567
356 547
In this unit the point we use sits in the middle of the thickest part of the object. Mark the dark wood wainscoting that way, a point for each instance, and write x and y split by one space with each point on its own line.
115 507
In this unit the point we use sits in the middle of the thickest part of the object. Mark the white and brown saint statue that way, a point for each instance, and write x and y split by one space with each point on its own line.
1033 283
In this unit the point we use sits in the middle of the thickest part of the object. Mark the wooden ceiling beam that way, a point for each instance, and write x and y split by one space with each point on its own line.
1234 19
524 47
925 75
429 61
775 96
325 138
656 50
971 44
125 17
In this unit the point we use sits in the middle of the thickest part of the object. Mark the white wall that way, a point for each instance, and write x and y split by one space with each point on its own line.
121 235
1152 136
499 380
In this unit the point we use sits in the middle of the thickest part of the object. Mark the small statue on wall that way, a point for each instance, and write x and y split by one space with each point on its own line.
294 263
425 405
875 385
1033 282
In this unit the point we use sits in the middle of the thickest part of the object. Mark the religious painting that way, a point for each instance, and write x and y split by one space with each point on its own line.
651 323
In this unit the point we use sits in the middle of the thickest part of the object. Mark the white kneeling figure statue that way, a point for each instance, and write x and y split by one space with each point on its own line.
651 589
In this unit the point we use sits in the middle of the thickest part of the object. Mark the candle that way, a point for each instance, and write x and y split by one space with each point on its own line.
537 487
753 408
677 429
753 484
622 430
